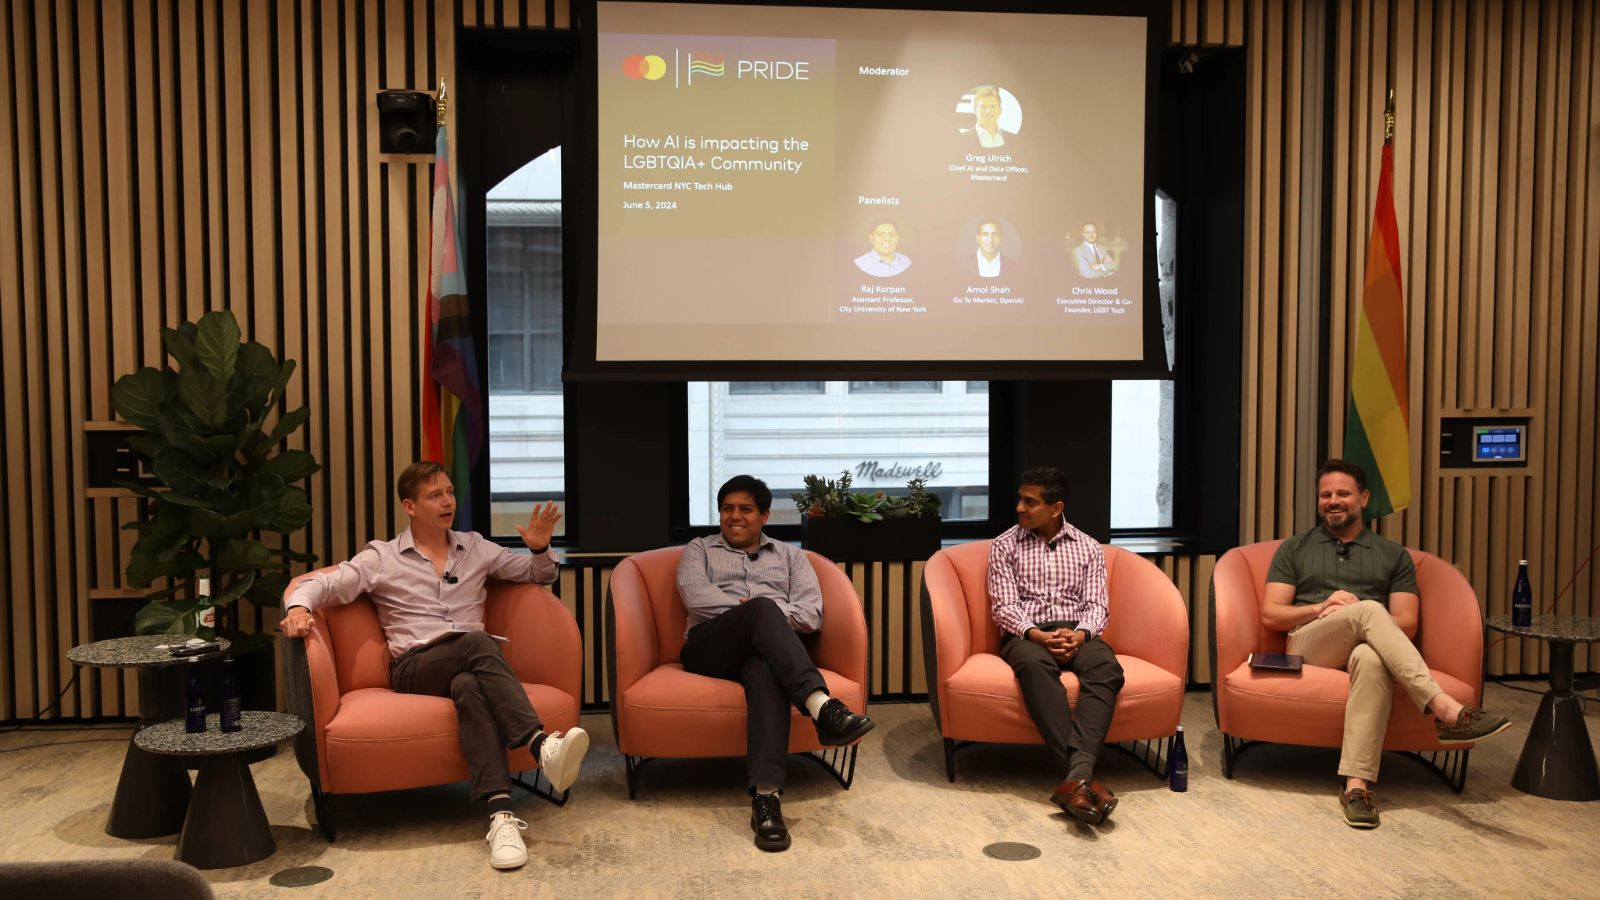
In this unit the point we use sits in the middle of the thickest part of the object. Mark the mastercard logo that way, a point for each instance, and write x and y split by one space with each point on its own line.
650 68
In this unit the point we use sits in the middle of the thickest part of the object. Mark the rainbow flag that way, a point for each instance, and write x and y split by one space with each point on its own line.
453 420
1377 431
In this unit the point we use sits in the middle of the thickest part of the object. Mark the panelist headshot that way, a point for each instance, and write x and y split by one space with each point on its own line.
996 115
882 260
989 237
1091 257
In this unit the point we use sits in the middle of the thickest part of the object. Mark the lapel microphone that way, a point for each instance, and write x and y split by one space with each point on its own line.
450 579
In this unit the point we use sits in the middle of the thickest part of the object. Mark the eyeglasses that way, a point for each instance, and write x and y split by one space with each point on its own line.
1343 551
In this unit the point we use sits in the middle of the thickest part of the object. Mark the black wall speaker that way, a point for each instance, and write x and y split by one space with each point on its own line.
406 122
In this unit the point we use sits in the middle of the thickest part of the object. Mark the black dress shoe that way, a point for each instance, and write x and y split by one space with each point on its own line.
837 726
766 820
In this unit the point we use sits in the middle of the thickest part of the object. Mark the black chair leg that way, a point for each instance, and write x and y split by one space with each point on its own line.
322 806
950 760
633 776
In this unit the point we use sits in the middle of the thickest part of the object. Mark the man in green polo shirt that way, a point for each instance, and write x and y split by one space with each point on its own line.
1348 599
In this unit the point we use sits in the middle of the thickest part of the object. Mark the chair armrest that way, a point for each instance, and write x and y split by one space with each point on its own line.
1148 618
842 645
947 609
1238 614
544 646
296 680
631 624
324 693
1449 621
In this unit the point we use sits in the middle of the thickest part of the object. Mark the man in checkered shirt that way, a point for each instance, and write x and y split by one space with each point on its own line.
1047 592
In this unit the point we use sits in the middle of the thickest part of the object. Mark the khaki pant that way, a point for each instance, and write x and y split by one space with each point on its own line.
1364 639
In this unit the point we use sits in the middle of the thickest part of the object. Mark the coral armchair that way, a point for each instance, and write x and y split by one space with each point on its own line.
366 737
1256 706
974 693
659 710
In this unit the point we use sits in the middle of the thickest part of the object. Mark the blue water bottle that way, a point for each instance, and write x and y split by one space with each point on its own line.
1522 598
1178 764
231 718
194 717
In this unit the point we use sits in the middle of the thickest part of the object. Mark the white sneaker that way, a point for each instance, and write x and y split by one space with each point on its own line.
506 850
560 756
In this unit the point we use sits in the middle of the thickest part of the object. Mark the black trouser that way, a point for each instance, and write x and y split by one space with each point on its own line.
491 704
754 645
1073 740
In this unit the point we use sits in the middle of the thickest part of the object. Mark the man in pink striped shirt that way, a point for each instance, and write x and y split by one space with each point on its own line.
1047 592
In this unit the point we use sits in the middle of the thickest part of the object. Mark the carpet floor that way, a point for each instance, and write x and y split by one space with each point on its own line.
1273 831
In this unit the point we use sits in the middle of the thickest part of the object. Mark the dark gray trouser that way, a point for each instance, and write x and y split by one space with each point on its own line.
1073 740
491 705
753 644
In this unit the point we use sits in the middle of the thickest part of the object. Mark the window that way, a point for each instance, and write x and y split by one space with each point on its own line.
1141 454
894 387
776 387
882 436
524 329
526 429
1142 411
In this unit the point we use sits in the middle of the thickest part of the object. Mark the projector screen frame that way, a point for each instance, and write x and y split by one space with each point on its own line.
581 256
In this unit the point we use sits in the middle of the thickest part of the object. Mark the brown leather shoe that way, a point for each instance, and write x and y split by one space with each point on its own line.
1074 798
1104 800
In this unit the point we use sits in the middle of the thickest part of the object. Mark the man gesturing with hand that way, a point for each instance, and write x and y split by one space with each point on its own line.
428 587
1047 592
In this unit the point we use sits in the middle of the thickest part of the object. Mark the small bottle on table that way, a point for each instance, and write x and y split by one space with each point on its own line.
194 717
1522 598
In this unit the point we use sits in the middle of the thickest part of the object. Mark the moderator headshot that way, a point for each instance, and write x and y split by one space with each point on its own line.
996 115
882 260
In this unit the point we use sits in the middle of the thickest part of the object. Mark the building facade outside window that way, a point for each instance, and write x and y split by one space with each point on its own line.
883 436
527 452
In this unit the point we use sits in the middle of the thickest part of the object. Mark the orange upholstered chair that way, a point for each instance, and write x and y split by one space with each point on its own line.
659 710
1254 706
368 738
974 693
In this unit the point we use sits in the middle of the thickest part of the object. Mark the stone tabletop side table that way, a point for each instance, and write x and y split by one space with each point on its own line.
152 791
1557 759
225 825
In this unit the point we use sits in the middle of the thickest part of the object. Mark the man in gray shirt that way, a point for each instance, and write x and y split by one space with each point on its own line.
1348 599
747 597
428 587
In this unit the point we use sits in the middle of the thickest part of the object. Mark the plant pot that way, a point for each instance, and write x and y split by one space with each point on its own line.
850 540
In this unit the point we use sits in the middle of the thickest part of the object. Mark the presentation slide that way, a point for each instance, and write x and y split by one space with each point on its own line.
828 184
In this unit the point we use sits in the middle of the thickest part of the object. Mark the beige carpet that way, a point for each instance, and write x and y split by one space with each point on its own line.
902 831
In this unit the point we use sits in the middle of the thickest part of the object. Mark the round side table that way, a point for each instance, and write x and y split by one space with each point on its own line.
225 825
153 791
1557 759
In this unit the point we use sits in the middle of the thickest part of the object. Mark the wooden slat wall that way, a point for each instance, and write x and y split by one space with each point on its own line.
1498 204
163 158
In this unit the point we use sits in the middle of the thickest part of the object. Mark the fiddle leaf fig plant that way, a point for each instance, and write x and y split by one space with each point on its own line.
225 482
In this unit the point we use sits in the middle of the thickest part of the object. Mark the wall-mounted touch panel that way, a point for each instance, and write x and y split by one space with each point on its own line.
1488 441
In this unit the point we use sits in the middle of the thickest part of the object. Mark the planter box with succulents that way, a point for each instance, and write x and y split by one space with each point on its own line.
848 526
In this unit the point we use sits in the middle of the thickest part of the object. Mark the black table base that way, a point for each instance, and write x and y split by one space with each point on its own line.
226 825
1557 760
153 790
152 796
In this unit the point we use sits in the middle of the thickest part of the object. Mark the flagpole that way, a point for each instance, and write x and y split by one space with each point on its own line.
1388 114
444 101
